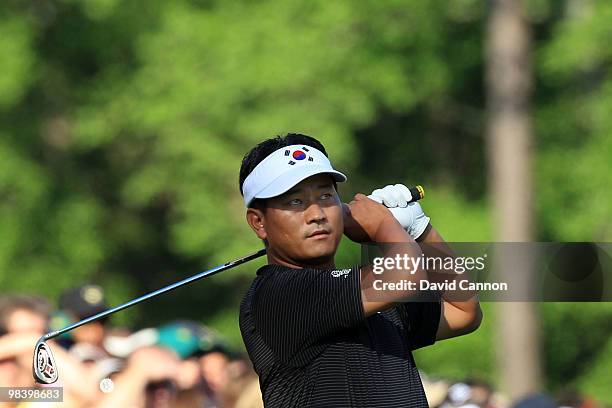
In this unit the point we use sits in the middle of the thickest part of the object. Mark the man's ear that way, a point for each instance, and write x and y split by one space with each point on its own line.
255 218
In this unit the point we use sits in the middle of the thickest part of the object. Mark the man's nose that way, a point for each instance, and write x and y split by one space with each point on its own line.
315 213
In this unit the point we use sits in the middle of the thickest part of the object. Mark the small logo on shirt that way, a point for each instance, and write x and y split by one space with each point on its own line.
340 272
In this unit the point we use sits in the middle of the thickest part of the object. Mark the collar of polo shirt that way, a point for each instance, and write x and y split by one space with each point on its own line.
283 169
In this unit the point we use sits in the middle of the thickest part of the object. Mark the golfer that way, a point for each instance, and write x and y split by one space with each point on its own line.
313 336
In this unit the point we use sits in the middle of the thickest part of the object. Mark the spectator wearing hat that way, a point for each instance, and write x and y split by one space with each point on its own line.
147 380
82 302
201 374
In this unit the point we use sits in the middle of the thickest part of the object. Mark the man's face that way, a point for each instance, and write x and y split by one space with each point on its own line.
92 333
303 227
26 321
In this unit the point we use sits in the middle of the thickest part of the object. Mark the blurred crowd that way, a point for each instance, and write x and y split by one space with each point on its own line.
475 393
177 364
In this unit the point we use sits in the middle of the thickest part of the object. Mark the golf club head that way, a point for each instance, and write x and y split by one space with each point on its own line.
43 366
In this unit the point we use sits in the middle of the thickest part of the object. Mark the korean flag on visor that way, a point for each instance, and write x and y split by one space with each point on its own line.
283 169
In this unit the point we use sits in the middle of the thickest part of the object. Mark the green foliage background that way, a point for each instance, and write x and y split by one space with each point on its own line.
123 123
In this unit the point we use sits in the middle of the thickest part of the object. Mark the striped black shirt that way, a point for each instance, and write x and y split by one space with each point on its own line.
309 340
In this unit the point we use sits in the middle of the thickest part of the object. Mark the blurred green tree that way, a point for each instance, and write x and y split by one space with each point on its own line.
122 126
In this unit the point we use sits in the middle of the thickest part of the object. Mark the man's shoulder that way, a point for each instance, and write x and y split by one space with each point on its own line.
262 295
278 281
266 273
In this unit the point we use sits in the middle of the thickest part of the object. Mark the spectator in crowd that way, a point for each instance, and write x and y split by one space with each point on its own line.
23 319
474 393
538 400
24 314
242 390
572 398
147 380
481 393
188 342
82 302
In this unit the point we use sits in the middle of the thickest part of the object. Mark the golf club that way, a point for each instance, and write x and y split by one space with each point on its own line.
43 366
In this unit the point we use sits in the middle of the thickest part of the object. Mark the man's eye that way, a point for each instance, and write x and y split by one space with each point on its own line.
295 201
326 196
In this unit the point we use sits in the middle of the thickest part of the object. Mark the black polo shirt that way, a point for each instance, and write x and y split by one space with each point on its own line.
312 346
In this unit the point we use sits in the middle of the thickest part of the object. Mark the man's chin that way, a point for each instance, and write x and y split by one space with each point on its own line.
320 258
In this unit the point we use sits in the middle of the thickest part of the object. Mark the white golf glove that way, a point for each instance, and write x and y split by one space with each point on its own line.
410 215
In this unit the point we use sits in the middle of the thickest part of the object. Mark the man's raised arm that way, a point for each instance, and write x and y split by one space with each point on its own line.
461 313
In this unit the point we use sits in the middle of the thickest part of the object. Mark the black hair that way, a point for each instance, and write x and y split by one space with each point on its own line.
269 146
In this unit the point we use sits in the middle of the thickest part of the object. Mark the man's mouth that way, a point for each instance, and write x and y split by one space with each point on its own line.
319 233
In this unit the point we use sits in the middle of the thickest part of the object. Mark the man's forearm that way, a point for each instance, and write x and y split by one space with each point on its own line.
433 244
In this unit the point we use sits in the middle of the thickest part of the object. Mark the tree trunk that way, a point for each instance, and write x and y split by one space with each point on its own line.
510 182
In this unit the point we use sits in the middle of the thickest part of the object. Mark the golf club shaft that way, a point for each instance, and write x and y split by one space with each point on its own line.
168 288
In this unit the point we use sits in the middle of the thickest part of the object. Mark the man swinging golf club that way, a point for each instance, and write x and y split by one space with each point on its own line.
315 335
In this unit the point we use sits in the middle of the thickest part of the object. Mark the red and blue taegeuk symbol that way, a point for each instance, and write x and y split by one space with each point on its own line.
299 155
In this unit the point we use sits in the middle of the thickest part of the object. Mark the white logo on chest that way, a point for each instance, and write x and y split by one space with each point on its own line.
340 272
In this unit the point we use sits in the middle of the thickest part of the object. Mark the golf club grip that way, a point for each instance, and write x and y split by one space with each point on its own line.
418 193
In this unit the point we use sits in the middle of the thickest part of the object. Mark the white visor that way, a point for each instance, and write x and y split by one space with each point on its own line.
285 168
